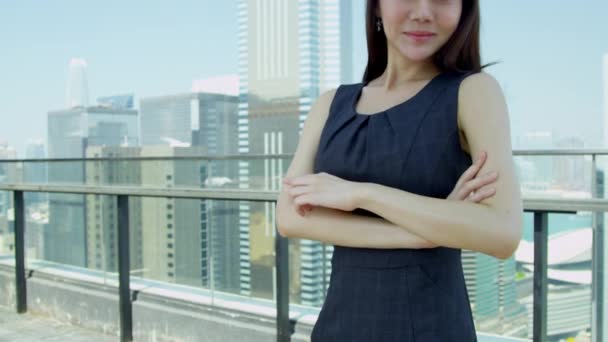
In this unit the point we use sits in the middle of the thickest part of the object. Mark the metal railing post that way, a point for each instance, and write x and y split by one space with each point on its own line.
541 226
282 287
20 285
125 307
597 259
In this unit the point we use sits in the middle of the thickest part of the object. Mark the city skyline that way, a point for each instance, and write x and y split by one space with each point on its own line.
288 52
536 64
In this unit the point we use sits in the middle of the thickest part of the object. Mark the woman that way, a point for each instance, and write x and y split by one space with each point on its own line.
379 172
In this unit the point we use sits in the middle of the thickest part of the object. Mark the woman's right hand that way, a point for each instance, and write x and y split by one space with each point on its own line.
473 187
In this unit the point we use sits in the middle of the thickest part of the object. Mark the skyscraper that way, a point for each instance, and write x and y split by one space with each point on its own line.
124 101
8 173
70 132
175 238
493 294
35 172
102 213
77 94
200 123
176 120
289 52
336 40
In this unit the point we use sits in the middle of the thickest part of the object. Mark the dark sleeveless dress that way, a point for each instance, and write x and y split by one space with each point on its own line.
399 295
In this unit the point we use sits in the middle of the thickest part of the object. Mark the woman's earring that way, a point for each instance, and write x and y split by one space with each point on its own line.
378 24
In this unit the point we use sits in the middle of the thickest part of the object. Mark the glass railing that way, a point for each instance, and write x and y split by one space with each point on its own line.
575 248
207 223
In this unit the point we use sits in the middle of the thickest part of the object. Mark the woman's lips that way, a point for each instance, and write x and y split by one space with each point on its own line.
419 36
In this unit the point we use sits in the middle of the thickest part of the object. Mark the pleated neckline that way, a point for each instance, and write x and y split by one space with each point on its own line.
412 99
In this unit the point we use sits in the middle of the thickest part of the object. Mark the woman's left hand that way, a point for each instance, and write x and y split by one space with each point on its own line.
321 189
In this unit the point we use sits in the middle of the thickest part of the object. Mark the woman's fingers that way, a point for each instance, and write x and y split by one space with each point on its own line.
293 192
297 190
481 194
472 171
305 199
479 182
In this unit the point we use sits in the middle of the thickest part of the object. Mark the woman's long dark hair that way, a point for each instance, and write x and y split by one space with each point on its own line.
460 53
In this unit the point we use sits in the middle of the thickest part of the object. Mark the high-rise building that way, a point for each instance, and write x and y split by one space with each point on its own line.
8 173
200 123
77 94
336 40
185 241
535 173
571 172
176 120
7 151
289 52
36 223
35 172
493 294
36 203
102 213
7 236
175 241
124 101
70 133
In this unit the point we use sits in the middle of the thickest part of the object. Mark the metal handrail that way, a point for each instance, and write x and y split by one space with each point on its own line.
154 158
530 203
146 191
520 152
561 152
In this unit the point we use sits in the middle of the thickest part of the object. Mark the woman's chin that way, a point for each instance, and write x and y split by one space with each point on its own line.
416 53
417 56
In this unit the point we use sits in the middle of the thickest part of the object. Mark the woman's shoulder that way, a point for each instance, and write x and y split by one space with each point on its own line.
474 80
326 98
477 88
336 96
322 105
480 94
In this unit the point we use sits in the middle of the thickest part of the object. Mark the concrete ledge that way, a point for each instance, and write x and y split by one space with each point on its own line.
161 311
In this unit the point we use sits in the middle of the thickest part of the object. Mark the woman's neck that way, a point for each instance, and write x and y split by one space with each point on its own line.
400 71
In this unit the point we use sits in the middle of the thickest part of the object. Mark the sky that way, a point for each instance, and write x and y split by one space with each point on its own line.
550 54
